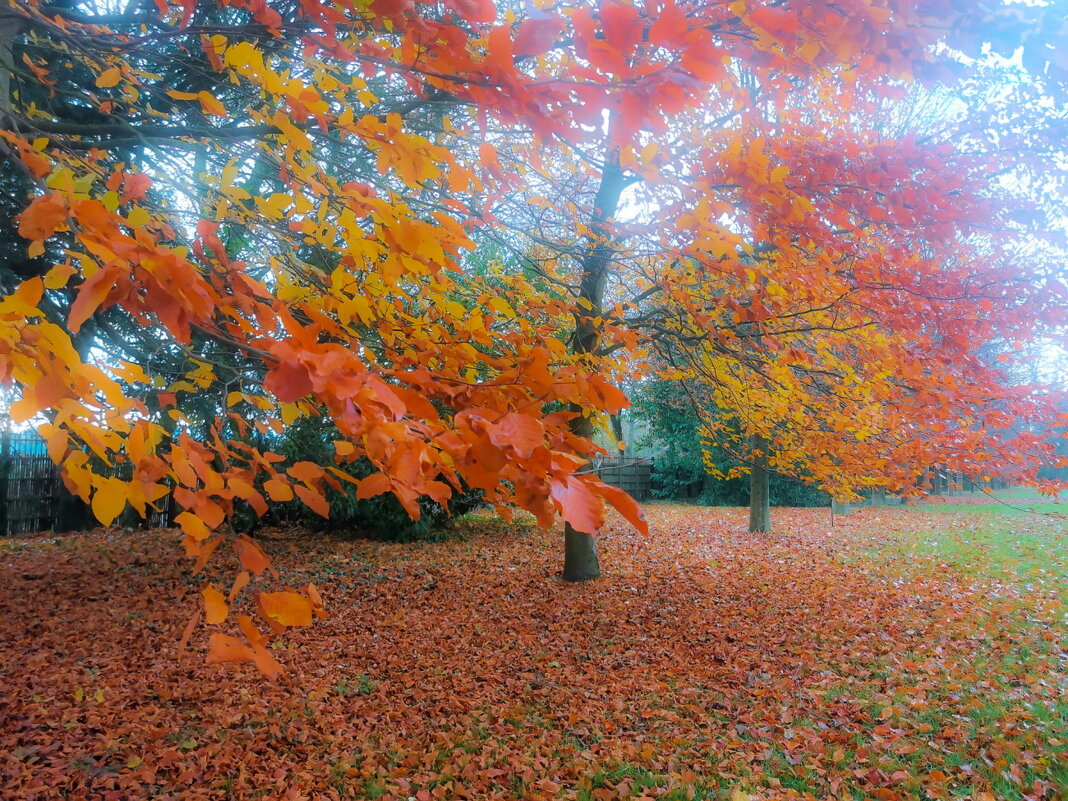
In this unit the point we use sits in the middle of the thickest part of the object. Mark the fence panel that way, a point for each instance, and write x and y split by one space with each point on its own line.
30 488
33 497
633 476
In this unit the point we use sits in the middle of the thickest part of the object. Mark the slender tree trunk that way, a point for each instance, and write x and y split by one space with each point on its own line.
759 494
10 27
580 548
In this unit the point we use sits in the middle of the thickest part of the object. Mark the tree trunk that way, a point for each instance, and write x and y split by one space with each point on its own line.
580 548
759 495
580 555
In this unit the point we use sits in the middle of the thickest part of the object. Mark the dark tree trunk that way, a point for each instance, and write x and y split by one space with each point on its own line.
580 555
580 548
759 494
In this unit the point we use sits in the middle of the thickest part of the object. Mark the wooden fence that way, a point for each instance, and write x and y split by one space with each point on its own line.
633 476
33 497
30 488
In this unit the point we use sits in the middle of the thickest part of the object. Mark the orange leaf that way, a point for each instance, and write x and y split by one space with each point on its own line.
626 506
193 526
187 632
239 584
224 648
306 472
205 550
251 556
578 504
520 431
248 628
215 608
313 500
316 600
286 608
265 663
43 217
372 485
92 292
209 105
108 78
278 490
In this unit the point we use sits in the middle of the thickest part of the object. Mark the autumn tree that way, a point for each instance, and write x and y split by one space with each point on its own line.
873 381
286 197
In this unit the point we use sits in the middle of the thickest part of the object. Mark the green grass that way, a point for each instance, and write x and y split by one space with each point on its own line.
993 539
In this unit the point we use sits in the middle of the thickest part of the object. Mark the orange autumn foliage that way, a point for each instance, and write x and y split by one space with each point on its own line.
301 219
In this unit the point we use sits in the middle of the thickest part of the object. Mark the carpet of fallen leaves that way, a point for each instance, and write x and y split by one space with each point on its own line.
815 662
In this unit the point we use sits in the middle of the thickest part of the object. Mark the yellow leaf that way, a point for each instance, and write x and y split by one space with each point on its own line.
98 696
131 373
58 276
138 217
193 526
109 500
108 78
133 762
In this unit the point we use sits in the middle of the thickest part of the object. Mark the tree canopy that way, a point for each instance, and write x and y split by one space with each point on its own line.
262 212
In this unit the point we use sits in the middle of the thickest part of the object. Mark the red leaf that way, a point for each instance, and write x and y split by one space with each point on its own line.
135 187
670 27
288 382
536 36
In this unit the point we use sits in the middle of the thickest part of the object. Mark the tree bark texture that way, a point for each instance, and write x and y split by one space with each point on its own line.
759 491
580 548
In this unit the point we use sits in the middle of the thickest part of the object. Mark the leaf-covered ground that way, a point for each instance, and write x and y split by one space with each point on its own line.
903 653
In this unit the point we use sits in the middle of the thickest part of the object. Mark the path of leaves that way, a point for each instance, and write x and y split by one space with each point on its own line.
707 663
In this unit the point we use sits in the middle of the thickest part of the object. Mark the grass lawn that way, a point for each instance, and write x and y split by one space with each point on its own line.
905 652
1016 534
